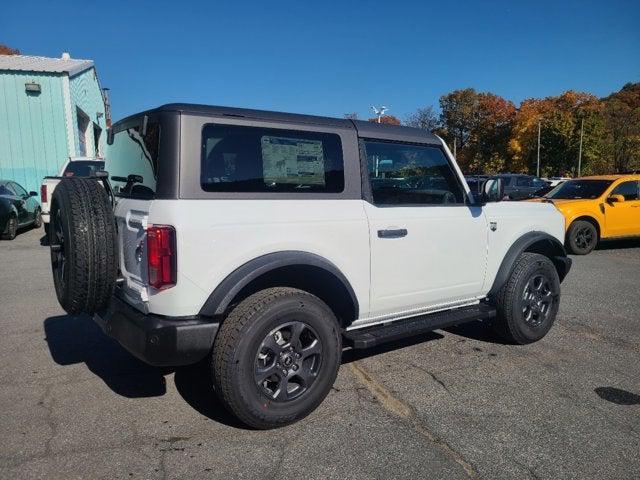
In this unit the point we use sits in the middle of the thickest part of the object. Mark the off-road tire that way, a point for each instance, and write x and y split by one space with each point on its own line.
511 321
237 344
11 230
82 228
582 237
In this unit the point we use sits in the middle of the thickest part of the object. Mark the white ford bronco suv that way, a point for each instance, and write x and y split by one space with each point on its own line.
264 242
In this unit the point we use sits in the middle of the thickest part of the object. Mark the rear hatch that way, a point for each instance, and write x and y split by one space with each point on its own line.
131 160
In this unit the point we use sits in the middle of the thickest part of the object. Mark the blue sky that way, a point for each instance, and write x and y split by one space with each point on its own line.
332 57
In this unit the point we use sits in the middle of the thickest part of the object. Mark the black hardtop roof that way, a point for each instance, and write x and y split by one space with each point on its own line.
365 129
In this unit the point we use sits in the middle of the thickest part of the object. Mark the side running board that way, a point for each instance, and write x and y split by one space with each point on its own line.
376 335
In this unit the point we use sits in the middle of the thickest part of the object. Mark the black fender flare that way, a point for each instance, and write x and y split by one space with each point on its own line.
225 292
544 244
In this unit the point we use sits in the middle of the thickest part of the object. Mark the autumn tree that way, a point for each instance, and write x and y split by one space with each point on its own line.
388 119
621 115
561 120
480 126
424 118
6 50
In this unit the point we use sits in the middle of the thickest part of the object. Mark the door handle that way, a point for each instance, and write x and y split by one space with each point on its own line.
395 233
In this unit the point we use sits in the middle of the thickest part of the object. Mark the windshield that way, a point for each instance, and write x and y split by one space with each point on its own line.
579 189
82 168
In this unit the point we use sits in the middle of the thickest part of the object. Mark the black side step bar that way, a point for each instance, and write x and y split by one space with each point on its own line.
372 336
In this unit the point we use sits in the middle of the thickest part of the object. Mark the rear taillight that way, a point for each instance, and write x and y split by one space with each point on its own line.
43 193
161 256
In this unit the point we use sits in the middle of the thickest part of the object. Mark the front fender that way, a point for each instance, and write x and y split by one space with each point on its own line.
536 242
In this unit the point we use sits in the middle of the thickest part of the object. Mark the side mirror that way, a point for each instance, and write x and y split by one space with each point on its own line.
492 190
615 199
33 194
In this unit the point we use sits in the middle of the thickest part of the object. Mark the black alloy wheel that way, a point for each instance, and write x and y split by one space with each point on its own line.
288 361
276 356
538 299
582 237
527 304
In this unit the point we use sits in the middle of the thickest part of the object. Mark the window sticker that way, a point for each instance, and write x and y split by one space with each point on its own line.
292 161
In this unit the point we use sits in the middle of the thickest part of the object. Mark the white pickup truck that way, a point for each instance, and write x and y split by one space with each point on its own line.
74 167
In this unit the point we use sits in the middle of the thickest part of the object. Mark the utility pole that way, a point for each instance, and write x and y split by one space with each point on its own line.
580 149
379 111
455 145
538 163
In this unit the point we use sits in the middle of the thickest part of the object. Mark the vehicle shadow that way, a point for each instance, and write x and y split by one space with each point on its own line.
78 339
351 355
195 385
478 330
618 244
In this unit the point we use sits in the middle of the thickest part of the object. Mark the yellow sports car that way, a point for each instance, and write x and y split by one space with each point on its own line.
596 208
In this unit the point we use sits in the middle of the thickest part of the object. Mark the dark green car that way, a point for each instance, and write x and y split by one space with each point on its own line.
17 209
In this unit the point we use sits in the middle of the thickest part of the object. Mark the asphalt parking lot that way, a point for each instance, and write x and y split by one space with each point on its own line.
451 404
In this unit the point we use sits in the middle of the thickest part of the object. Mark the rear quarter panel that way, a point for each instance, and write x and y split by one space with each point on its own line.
215 237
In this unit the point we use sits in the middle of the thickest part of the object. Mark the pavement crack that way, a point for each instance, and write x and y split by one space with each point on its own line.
397 407
432 375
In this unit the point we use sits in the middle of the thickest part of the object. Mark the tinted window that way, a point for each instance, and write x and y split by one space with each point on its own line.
627 189
523 182
132 153
252 159
576 189
81 168
537 183
21 192
5 189
411 174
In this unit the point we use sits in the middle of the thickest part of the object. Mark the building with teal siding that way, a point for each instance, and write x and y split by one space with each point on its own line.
50 109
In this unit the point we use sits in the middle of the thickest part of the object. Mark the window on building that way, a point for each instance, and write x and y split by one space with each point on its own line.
97 132
83 124
252 159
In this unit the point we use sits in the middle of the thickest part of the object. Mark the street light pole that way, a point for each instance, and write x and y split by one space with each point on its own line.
538 162
580 149
379 111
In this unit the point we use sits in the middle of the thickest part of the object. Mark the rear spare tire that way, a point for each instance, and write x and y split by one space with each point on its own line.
82 236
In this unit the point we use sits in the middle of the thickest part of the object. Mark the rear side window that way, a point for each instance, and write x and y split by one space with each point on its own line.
134 151
253 159
81 168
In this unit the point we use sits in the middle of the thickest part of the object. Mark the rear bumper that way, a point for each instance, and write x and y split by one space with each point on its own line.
156 340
